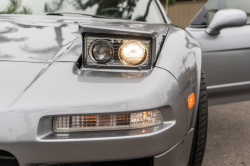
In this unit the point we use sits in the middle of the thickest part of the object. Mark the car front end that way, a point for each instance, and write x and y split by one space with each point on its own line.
95 91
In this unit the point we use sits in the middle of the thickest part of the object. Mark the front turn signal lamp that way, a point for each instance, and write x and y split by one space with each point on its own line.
191 101
107 121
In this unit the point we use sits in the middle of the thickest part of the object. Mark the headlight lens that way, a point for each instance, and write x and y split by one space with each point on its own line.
101 51
115 52
107 122
133 53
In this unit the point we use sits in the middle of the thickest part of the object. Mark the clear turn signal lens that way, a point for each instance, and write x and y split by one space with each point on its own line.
107 122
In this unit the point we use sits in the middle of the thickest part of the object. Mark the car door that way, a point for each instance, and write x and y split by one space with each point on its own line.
226 57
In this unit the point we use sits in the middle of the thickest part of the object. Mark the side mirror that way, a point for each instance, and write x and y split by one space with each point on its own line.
226 18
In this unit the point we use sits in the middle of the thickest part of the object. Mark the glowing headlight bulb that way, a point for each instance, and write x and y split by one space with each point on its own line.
133 53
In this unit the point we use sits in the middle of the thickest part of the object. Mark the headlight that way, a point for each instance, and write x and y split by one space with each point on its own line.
133 53
101 52
107 122
117 52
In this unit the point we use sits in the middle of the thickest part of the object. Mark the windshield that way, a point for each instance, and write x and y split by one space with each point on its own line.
135 10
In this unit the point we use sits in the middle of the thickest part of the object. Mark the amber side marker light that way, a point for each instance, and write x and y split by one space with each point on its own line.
191 101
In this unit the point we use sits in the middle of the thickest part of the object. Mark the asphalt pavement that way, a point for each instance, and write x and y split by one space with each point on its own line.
228 141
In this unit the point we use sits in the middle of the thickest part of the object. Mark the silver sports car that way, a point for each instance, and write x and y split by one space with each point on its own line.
99 83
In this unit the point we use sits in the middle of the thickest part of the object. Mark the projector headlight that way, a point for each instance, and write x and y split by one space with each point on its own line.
117 52
101 51
107 122
133 53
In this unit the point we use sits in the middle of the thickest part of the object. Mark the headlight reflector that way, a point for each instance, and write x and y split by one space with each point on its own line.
101 51
107 122
133 53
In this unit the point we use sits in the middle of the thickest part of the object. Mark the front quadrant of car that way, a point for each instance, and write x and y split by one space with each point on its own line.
100 91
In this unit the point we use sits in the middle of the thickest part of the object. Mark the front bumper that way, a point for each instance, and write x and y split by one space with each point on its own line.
175 156
26 129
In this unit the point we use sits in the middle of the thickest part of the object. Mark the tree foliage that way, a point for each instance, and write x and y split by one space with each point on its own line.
14 8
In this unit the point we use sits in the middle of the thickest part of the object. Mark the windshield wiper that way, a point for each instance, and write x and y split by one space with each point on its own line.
55 14
95 16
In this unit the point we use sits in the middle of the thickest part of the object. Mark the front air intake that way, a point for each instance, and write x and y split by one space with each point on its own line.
134 162
7 159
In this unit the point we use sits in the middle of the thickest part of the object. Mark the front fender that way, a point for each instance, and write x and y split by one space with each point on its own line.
181 56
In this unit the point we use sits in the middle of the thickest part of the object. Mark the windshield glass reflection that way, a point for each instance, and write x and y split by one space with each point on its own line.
135 10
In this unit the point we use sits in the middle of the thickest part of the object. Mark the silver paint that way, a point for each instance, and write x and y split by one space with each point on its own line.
183 60
226 18
32 40
41 80
173 156
52 100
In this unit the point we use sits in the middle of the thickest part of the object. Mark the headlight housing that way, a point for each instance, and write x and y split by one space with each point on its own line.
107 121
117 52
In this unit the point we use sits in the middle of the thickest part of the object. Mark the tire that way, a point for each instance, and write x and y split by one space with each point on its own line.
200 130
8 163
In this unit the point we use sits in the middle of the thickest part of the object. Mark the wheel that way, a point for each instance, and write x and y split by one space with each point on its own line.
200 130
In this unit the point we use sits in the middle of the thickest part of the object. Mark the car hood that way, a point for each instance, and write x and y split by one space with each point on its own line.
30 38
30 48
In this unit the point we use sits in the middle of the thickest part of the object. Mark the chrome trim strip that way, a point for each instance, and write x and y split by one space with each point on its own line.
228 85
214 51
